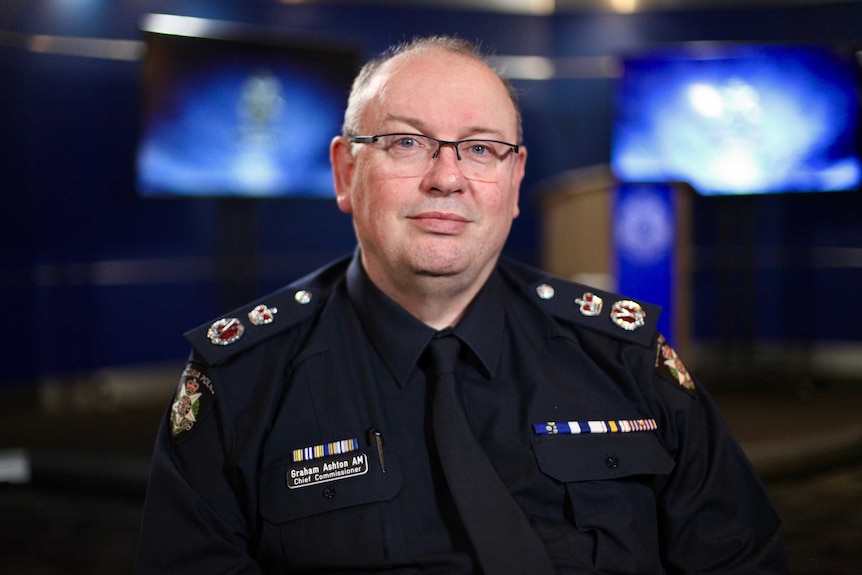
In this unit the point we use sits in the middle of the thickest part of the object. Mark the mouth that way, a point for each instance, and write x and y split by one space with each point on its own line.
440 222
449 216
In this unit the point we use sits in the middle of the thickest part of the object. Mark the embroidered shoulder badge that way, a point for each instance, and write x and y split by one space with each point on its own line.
194 397
669 365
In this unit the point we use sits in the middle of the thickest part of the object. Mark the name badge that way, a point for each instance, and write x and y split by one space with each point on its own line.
317 472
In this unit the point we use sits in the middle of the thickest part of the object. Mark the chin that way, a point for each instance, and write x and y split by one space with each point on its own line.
439 266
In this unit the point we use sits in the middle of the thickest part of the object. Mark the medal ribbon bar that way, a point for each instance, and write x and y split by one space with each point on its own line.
610 426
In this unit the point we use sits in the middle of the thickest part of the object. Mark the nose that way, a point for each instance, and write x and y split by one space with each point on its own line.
444 172
441 145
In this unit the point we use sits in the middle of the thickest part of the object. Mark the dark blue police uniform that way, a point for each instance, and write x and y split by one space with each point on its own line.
299 440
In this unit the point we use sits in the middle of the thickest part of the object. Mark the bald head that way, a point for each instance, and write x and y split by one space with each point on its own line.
366 84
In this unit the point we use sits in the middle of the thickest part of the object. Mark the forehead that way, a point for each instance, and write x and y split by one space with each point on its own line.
437 89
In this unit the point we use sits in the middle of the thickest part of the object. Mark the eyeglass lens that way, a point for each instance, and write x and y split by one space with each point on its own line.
411 155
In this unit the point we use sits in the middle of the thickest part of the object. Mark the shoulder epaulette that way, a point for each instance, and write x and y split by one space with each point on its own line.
599 310
249 325
260 320
611 314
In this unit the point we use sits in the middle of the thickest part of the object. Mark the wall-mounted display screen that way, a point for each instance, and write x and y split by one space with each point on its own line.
739 119
228 113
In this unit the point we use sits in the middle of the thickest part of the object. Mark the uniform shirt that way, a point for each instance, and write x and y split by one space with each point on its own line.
305 446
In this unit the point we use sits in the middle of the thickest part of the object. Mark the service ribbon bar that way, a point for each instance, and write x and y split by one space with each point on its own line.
325 450
611 426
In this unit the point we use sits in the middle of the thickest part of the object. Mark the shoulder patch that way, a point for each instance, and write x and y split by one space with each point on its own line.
611 314
192 401
249 325
669 366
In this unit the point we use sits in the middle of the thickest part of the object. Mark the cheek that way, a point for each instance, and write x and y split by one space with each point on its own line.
372 203
505 205
512 199
382 194
360 197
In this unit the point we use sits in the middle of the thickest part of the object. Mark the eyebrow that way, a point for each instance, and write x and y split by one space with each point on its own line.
421 127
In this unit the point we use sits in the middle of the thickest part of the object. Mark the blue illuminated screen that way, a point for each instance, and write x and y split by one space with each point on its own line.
739 119
230 117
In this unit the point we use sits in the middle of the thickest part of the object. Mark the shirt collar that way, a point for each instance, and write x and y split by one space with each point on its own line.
481 328
400 338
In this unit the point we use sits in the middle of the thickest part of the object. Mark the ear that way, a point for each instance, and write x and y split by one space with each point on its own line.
517 177
343 165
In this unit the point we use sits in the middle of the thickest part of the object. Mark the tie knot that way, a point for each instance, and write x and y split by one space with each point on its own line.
444 352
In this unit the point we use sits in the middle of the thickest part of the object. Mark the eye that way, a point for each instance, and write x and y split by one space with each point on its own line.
406 142
404 145
481 149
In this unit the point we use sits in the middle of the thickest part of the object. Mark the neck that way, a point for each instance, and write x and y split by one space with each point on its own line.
437 301
438 312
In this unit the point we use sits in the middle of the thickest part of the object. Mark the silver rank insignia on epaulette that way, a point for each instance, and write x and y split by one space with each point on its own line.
590 304
262 315
247 326
225 331
228 330
571 300
628 315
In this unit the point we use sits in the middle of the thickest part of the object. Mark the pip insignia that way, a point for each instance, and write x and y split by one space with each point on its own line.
225 331
628 315
589 304
262 315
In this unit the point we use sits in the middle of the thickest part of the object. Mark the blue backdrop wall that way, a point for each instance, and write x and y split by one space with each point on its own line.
92 275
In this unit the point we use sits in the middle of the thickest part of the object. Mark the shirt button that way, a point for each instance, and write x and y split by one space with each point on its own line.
329 493
611 462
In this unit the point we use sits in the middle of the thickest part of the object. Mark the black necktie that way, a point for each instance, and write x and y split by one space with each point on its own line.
500 532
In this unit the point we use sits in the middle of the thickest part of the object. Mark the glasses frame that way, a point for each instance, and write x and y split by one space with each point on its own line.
440 143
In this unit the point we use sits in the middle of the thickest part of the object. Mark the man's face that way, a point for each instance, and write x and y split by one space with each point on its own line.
437 223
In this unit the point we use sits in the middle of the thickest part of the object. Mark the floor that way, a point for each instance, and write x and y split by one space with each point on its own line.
807 444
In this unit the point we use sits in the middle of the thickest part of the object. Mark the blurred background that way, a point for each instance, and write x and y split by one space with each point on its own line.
162 162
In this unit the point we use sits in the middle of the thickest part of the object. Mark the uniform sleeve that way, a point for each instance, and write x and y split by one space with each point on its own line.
715 515
193 520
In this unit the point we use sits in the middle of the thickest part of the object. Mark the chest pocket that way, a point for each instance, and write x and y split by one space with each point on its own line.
595 457
610 496
328 513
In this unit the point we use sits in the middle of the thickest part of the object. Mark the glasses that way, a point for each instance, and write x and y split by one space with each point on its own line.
411 154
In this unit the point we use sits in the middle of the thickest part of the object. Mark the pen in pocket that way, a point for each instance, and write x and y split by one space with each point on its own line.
376 438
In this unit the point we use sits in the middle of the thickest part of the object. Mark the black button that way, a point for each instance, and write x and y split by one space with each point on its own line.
611 462
329 493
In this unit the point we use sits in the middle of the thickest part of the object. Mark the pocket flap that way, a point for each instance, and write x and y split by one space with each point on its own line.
294 490
588 457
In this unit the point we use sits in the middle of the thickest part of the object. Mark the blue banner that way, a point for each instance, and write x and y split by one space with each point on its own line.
644 236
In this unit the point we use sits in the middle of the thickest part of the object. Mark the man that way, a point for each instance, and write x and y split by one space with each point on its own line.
321 429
